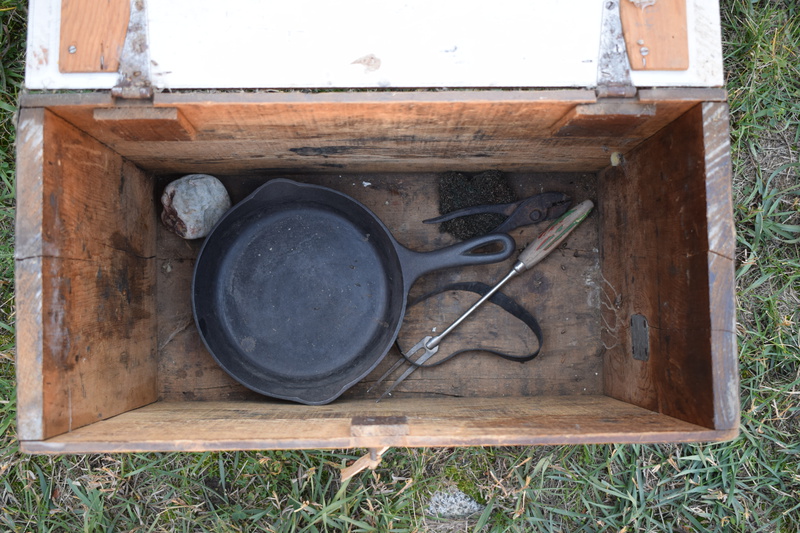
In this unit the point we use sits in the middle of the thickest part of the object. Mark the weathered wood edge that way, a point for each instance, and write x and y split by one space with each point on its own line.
717 153
54 447
28 272
469 95
30 99
104 98
721 268
691 94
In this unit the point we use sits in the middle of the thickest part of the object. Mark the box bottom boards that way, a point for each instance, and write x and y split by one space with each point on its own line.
212 426
562 292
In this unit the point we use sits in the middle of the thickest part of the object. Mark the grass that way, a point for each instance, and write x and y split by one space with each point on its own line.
749 484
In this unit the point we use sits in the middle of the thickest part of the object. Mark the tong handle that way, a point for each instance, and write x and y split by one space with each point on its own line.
500 209
551 237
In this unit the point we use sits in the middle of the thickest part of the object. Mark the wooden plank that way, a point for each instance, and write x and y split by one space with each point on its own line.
722 247
28 274
145 123
724 363
164 426
656 34
717 148
383 132
684 94
87 274
655 240
92 35
562 292
621 124
420 154
604 119
705 52
300 116
367 132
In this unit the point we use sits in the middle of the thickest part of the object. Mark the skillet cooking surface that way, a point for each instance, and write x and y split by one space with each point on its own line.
299 285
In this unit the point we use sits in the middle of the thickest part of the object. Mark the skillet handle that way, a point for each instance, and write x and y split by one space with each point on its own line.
415 264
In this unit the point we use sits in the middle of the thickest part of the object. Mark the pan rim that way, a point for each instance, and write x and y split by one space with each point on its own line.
305 395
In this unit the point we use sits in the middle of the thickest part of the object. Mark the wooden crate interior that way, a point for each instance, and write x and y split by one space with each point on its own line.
110 358
561 292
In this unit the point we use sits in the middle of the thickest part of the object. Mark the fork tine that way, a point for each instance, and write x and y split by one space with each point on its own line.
428 353
388 373
403 359
397 382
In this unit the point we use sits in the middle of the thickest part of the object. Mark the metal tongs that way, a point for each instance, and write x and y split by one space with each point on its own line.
547 241
531 210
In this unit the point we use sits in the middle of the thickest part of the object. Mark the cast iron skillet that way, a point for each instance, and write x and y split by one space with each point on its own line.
299 291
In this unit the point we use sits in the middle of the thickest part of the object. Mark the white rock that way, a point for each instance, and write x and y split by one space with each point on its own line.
193 204
453 504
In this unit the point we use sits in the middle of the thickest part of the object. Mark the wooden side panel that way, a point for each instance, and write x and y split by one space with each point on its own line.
364 132
378 132
92 34
164 426
659 218
86 280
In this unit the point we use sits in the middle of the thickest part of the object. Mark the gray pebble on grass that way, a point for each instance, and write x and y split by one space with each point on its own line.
453 504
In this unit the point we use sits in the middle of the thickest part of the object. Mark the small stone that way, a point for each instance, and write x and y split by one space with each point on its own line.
193 204
453 504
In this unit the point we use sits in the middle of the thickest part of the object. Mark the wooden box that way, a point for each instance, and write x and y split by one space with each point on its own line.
636 307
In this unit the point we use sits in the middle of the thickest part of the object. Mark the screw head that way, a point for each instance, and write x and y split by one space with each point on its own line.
72 49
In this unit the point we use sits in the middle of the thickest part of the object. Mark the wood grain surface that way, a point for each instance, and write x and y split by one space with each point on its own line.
86 280
656 34
419 132
545 420
721 263
92 35
145 123
659 215
103 290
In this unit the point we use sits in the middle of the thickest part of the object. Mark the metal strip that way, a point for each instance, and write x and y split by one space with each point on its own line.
613 67
134 69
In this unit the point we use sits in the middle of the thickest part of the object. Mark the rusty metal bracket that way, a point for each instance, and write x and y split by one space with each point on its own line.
134 69
613 66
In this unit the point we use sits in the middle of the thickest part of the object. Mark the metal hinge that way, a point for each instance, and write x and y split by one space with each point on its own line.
613 67
134 63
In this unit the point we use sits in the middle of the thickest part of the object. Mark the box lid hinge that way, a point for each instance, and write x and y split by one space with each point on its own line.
134 68
613 66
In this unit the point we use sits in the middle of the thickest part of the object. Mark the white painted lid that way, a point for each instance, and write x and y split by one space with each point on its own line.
205 44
